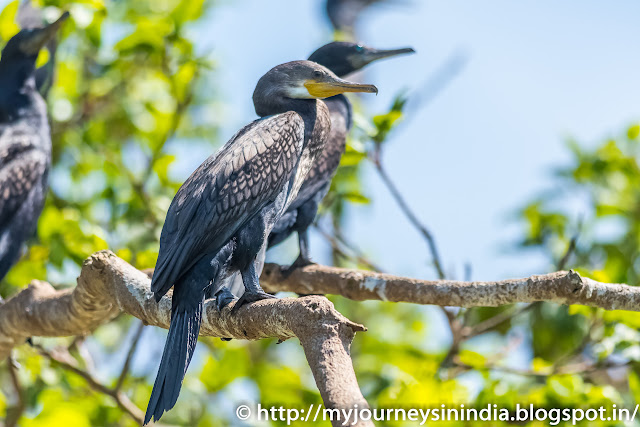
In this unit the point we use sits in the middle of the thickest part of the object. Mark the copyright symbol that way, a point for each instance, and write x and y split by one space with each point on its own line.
243 412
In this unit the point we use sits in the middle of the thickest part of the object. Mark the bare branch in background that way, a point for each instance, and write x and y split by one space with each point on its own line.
411 216
132 351
421 97
342 247
574 369
13 414
62 358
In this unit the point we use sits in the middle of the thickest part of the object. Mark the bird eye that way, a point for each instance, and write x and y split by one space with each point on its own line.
317 73
359 48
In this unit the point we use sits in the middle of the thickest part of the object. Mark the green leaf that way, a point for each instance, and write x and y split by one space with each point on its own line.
354 197
473 359
149 35
161 167
8 25
188 10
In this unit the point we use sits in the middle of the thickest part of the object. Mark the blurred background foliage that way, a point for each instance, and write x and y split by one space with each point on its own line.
131 93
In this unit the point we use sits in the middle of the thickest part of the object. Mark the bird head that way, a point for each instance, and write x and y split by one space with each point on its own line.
345 57
26 45
300 80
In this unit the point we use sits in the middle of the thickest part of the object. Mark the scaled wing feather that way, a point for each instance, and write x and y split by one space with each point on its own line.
227 190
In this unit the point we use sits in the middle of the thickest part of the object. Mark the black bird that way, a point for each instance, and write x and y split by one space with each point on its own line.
25 141
220 218
342 58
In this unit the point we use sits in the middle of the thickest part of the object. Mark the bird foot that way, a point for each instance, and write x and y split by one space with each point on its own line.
249 297
223 298
298 263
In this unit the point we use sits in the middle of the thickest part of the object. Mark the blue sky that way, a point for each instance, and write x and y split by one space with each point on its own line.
537 73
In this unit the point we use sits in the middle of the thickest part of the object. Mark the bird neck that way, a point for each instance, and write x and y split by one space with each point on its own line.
307 109
17 87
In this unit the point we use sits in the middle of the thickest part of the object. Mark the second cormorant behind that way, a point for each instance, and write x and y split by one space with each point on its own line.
342 58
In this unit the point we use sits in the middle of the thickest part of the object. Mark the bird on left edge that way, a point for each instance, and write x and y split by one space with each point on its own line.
25 141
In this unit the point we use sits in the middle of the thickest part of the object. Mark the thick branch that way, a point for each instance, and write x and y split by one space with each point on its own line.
108 285
564 287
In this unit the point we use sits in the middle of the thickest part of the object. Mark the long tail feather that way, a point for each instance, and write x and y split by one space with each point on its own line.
178 350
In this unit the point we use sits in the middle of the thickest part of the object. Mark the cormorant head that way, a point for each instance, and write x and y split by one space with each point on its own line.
21 51
344 57
300 80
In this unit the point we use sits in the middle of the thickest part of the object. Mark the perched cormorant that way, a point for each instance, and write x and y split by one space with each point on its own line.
342 58
25 141
220 218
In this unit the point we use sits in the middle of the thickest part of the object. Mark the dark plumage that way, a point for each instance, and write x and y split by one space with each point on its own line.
220 218
342 58
25 141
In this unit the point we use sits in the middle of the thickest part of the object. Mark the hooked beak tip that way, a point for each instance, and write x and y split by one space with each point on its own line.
65 15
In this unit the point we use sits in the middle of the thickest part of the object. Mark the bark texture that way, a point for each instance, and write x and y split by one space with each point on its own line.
563 287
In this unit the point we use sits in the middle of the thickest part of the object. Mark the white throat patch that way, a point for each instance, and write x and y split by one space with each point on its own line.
299 92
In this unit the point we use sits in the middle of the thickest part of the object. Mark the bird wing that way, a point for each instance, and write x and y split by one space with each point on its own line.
227 190
22 166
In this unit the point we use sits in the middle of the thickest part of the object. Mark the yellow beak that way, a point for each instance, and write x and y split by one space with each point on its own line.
336 86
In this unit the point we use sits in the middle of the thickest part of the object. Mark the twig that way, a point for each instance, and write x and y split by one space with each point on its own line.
492 322
404 207
132 350
561 265
341 246
575 369
13 414
121 399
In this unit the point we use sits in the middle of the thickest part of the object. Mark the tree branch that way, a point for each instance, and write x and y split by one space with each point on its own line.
108 285
563 287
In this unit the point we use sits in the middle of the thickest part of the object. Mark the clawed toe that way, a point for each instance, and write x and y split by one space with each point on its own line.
249 297
224 298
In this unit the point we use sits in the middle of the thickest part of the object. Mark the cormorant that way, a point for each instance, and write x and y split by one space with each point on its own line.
221 216
25 141
342 58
